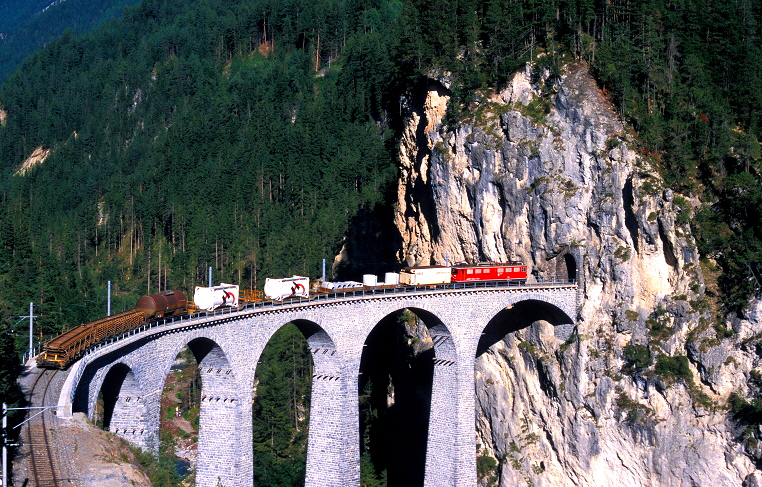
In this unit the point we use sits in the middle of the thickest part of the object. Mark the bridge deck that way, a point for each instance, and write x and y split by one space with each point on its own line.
207 318
367 293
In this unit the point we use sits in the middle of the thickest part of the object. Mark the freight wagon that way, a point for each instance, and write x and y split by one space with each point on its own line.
68 347
288 287
425 275
211 298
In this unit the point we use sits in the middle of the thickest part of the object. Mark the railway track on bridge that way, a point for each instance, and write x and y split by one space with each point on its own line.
205 318
41 458
335 297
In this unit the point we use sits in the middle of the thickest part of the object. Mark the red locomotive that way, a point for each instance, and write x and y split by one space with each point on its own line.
489 272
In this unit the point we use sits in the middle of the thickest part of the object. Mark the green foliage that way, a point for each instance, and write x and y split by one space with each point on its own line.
685 76
368 475
723 331
529 348
10 366
699 397
28 25
660 324
408 318
673 368
635 412
537 109
637 358
281 410
730 232
745 411
623 253
486 469
175 140
631 315
211 133
683 210
160 468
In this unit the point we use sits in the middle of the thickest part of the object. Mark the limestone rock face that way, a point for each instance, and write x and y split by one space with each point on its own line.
545 173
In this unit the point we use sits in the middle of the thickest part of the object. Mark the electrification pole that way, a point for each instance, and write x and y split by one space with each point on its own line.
5 442
4 433
31 317
31 329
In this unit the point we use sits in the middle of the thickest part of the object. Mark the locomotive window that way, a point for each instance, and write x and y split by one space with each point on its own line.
500 270
478 271
469 271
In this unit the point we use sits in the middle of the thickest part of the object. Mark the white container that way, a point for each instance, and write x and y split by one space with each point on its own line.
424 276
369 280
211 298
288 287
391 278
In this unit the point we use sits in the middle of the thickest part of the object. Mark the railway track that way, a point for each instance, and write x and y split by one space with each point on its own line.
42 464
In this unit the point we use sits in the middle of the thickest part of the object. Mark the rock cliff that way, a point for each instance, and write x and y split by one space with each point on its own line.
544 172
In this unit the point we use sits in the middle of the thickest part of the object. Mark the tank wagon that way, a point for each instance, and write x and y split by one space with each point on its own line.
59 352
289 287
211 298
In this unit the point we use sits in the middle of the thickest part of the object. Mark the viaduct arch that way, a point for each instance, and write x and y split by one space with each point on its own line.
133 370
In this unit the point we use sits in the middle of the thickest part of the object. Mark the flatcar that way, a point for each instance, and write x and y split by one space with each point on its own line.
61 351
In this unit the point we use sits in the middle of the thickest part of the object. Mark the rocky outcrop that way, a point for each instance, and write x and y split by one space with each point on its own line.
543 172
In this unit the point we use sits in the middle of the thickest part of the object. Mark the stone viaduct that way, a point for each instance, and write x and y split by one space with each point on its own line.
131 371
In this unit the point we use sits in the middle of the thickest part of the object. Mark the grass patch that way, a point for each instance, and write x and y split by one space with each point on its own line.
623 254
528 348
671 369
637 359
537 110
659 324
635 413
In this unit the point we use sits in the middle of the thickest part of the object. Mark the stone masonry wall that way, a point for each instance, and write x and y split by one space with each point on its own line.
228 349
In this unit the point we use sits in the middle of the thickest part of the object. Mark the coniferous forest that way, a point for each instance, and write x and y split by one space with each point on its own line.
251 136
247 136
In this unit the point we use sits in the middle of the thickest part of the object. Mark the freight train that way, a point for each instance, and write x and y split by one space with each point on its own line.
66 348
